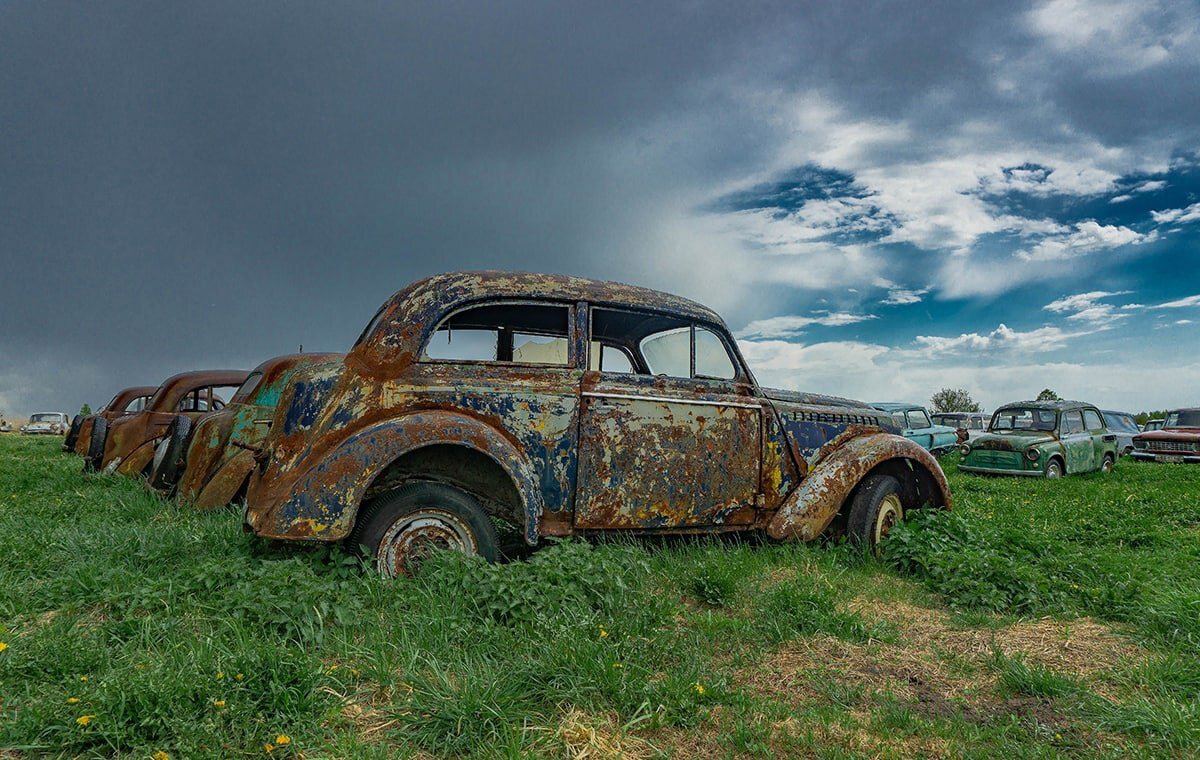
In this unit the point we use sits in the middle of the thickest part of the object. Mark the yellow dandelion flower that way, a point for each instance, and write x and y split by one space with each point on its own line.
220 675
83 678
72 700
699 689
218 703
160 755
283 740
603 633
3 646
269 747
618 665
239 676
83 720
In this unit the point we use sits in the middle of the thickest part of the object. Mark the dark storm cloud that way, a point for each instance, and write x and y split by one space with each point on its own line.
213 183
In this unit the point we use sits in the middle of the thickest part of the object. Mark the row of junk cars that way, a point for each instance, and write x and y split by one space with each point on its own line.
478 411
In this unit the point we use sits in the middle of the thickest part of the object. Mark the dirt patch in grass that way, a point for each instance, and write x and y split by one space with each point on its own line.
584 736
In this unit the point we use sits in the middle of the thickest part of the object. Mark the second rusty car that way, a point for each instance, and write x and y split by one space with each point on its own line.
126 445
560 406
207 464
127 401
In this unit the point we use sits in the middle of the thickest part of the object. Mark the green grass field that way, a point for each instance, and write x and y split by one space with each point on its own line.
1039 619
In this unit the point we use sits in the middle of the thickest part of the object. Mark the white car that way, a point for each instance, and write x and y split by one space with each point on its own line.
47 423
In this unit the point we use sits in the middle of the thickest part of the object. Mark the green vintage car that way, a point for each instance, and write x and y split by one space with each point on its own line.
1042 439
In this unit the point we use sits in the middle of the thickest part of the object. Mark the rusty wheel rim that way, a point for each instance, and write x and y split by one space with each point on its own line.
1053 470
891 513
411 539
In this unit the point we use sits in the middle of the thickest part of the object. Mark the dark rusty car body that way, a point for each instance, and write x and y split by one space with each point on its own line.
220 453
1042 439
130 439
127 401
1177 442
573 435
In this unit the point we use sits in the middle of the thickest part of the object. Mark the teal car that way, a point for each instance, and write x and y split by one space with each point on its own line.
1042 439
916 426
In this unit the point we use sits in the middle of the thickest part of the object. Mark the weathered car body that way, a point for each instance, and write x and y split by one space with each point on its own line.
127 401
47 423
1042 439
1123 426
566 406
965 423
219 456
916 425
1178 442
128 442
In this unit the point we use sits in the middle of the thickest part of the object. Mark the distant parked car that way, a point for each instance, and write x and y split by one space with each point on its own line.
126 445
1177 442
127 401
47 423
916 425
965 423
1125 428
207 464
1042 439
1152 425
5 427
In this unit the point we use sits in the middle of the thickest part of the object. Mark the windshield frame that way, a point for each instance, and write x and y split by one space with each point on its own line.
1034 410
1182 418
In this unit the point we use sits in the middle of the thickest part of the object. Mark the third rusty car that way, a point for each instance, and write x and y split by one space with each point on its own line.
560 406
1042 439
1177 442
127 401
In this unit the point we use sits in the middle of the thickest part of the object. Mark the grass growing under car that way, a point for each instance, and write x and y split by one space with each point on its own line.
1057 618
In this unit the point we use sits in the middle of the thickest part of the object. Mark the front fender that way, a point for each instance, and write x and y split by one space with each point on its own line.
224 484
841 465
322 503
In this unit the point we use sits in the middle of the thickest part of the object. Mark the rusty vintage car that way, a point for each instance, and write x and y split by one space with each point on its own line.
560 406
127 401
126 445
1177 442
1042 439
46 423
207 464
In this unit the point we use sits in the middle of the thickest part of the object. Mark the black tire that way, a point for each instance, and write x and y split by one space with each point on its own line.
875 509
72 434
399 528
164 474
1054 468
95 453
1108 464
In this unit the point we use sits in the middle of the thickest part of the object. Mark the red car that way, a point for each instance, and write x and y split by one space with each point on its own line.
1178 441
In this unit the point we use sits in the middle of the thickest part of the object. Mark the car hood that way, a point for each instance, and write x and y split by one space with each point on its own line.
815 399
1170 434
1011 441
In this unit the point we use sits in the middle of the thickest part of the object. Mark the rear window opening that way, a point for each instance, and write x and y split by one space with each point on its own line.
518 333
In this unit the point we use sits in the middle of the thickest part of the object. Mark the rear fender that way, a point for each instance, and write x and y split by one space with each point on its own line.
225 483
322 504
840 466
136 462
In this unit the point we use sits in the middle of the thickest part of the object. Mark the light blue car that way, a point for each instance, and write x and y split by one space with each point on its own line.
915 425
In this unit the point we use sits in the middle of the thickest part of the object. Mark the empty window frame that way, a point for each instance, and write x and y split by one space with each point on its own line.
657 344
520 333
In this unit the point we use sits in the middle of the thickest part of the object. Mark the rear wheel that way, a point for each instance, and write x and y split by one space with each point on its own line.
876 509
169 455
1054 469
95 452
1108 464
401 528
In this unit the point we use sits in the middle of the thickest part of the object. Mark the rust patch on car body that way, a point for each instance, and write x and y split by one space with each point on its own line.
554 444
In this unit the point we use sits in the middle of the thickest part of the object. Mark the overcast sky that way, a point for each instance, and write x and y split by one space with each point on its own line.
882 198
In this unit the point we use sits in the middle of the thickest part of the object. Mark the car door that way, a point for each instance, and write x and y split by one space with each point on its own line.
920 429
1102 438
1077 442
670 438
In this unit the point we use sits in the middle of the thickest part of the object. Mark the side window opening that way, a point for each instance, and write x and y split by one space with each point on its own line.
1072 422
917 419
657 344
1092 420
512 332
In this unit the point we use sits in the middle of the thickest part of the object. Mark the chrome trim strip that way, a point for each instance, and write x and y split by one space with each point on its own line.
665 399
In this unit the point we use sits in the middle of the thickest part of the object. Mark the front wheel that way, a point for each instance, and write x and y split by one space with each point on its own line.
1108 464
401 528
1054 469
169 455
876 509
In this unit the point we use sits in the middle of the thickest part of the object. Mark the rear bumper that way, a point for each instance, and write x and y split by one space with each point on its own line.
1165 457
999 471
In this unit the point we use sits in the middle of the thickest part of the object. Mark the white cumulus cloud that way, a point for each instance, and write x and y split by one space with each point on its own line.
1088 237
784 326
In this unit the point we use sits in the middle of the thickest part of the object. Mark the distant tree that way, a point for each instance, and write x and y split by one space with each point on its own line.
85 410
1048 395
954 400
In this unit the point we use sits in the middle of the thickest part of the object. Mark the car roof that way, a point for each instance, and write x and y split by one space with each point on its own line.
895 406
1110 411
1054 405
